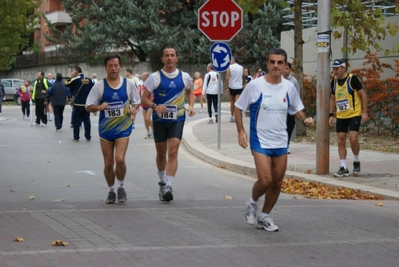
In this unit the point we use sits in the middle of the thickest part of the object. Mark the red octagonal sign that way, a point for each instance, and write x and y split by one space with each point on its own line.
220 20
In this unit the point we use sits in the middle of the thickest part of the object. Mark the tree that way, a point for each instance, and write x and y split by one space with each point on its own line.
145 27
17 20
364 26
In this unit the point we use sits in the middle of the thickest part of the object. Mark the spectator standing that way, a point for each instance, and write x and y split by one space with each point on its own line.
259 73
80 87
247 76
211 90
40 87
270 99
112 97
234 83
25 92
169 86
349 99
59 94
198 90
49 107
287 74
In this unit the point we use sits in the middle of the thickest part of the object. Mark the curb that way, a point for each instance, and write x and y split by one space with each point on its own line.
196 148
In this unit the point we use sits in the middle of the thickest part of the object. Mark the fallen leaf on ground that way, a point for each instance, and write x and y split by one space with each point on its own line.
109 225
58 200
18 239
32 197
13 190
308 171
315 190
67 185
222 166
59 243
379 204
228 197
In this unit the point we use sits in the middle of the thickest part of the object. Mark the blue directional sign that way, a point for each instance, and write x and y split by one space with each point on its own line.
220 56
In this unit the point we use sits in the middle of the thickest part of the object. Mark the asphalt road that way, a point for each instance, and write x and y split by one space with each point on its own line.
201 227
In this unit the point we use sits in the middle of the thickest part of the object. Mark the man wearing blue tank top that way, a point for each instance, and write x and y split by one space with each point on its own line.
116 98
169 87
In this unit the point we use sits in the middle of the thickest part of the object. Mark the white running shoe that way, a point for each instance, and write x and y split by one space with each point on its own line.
267 224
250 213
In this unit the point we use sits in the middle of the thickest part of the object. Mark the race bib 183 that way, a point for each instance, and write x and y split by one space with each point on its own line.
115 109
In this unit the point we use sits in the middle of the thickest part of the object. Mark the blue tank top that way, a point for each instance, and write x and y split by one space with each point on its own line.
116 118
170 93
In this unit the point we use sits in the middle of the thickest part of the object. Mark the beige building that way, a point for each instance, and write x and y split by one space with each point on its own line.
355 60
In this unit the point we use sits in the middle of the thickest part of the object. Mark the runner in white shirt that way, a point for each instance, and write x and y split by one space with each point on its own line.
269 99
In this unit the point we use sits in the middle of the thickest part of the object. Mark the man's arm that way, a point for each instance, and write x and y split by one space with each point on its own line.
242 135
190 98
227 78
363 97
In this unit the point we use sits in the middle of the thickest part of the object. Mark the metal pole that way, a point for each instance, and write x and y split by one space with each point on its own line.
323 86
219 108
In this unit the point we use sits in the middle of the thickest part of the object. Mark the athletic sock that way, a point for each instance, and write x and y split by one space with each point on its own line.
112 188
253 202
263 215
121 183
343 163
356 157
169 180
162 178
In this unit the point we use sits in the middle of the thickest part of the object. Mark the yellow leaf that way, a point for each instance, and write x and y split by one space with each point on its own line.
59 243
379 204
31 197
58 200
18 239
221 166
228 197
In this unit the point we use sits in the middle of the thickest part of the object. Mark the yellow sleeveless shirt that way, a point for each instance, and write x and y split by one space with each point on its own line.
347 100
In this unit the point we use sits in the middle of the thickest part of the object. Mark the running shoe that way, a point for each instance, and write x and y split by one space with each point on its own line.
121 195
216 118
267 224
232 119
111 198
210 121
165 192
148 136
356 168
250 213
342 172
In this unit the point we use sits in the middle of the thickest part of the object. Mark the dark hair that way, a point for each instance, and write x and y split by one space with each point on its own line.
130 71
169 47
277 51
78 69
58 77
247 70
112 56
42 73
289 65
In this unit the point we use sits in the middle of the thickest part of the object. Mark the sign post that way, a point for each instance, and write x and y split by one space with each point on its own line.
220 21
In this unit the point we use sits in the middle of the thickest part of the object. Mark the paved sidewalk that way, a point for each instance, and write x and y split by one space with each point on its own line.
380 172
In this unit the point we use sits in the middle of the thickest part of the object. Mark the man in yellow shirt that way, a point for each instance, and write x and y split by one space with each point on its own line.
349 99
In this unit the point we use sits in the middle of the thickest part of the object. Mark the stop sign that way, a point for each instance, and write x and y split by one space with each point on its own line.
220 20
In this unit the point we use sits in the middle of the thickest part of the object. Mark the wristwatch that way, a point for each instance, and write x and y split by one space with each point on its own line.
153 106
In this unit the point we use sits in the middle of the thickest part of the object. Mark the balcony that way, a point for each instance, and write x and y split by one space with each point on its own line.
58 17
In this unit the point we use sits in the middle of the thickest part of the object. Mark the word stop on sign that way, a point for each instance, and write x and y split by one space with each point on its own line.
224 18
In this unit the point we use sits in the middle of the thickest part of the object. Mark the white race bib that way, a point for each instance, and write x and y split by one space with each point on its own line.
343 105
115 109
170 114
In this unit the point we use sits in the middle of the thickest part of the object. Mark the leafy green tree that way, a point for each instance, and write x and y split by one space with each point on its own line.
17 20
145 27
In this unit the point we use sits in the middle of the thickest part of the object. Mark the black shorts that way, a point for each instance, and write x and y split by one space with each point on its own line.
234 92
353 124
166 130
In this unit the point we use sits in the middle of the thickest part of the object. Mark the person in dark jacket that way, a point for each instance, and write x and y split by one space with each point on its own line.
2 95
59 94
40 87
80 87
